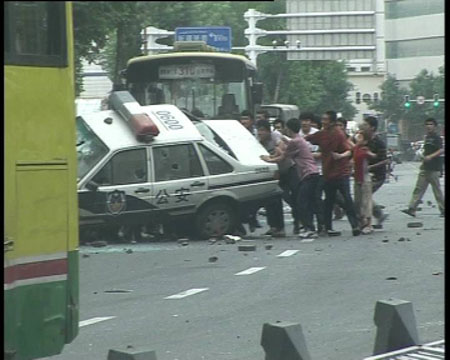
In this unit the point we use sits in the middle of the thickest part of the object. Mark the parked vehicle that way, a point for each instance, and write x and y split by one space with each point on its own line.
153 165
281 111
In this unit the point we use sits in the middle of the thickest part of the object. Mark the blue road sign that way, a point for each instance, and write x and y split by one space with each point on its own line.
216 36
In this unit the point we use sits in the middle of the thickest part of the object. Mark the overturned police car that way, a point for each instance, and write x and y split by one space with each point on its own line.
151 165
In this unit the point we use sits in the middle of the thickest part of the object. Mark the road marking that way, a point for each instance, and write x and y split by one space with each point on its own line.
94 320
288 253
250 271
306 240
183 294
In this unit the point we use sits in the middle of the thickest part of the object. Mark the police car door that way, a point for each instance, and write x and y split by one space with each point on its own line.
180 184
124 188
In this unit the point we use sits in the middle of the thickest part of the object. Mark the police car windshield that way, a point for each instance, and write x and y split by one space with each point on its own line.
210 135
90 149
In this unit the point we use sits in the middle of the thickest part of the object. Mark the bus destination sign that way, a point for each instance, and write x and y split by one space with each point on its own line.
182 71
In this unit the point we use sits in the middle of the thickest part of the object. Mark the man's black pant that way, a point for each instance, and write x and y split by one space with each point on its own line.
306 200
274 211
343 186
377 212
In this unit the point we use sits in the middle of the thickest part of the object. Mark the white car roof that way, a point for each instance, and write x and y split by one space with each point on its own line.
119 133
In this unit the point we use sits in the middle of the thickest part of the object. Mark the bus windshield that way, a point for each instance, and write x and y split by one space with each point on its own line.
90 149
209 88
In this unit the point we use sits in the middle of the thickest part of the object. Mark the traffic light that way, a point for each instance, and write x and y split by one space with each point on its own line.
407 103
358 98
436 100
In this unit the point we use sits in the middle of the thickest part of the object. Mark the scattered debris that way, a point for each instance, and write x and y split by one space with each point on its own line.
247 245
418 208
212 241
402 239
429 203
269 246
129 251
318 249
408 239
377 226
183 242
117 291
230 239
99 243
385 240
438 273
213 259
433 206
415 224
418 233
391 278
86 255
187 260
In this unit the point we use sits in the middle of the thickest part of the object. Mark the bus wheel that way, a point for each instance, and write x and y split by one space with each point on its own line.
215 220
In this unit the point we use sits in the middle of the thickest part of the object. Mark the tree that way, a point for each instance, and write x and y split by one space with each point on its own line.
391 104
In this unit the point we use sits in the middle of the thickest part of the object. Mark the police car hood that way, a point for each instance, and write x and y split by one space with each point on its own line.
243 144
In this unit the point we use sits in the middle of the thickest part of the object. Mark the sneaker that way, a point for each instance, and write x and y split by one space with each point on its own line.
308 235
409 212
278 234
381 219
333 233
356 232
367 230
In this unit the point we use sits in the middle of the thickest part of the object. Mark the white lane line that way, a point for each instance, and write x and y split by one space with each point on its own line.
94 320
306 240
183 294
250 271
288 253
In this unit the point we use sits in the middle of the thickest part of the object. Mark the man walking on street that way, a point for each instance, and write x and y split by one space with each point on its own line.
336 170
429 170
377 165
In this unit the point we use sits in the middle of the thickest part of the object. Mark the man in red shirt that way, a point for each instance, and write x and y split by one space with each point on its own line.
336 170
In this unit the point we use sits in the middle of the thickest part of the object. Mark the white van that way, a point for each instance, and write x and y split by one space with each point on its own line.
151 164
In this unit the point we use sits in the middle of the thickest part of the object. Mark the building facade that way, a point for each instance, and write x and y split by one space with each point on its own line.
339 30
414 37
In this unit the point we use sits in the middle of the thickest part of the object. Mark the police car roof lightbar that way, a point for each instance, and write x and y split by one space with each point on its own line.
127 106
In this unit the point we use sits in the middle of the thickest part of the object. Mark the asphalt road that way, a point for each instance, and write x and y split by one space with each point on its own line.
330 286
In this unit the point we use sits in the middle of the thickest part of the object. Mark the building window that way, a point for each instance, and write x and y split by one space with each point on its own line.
415 48
35 33
407 8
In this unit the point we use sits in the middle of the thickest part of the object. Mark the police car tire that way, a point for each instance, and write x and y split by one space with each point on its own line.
202 219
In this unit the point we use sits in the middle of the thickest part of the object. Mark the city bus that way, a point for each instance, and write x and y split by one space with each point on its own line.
41 287
208 84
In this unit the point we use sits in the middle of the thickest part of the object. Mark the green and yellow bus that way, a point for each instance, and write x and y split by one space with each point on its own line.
210 85
41 210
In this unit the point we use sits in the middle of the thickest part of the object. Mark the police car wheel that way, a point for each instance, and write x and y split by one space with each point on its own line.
215 220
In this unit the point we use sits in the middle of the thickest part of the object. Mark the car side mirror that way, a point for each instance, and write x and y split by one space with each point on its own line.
257 92
92 185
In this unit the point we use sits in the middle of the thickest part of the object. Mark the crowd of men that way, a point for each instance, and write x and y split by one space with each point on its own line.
316 159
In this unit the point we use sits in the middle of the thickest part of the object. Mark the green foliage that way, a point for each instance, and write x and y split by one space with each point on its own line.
114 28
426 84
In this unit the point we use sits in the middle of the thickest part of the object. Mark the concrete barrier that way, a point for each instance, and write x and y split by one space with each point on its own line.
284 341
396 326
131 353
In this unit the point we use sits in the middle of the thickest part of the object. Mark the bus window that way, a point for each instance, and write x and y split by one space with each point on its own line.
35 33
214 86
